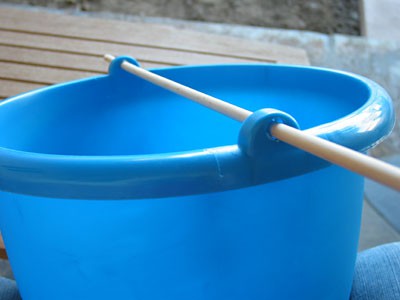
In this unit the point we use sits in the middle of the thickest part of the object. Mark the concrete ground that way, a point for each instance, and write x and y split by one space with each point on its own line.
340 16
378 59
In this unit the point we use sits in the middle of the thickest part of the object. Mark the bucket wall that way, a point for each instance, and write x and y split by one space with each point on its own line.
113 188
292 239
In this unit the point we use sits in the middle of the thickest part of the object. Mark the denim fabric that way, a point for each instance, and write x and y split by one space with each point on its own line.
8 290
377 274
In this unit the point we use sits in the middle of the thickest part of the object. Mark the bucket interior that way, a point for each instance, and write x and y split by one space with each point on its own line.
127 116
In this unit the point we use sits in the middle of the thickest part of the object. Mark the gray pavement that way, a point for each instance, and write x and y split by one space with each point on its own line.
381 215
375 229
385 200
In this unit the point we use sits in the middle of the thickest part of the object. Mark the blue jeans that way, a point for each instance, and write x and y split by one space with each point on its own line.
377 274
376 277
8 290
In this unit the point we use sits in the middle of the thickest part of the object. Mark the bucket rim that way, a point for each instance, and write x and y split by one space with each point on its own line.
44 174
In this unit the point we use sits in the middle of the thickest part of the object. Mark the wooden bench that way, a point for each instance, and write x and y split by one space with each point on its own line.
42 48
3 253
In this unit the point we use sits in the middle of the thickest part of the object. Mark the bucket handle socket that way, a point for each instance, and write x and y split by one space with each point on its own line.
255 137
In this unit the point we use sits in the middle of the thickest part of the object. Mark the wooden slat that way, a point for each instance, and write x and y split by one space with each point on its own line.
39 75
3 253
60 60
23 70
166 37
45 58
91 48
10 88
148 65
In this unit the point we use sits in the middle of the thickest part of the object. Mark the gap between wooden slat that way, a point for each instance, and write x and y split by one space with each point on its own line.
11 79
51 67
9 88
5 78
39 75
37 57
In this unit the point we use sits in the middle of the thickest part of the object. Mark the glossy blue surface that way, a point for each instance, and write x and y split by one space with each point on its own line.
290 239
112 188
130 139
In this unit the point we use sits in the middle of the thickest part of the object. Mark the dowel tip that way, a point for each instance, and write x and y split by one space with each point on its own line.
108 57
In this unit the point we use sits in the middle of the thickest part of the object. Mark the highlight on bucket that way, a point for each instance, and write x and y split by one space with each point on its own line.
125 190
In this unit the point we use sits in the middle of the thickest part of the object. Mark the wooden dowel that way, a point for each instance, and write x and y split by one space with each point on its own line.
218 105
337 154
347 158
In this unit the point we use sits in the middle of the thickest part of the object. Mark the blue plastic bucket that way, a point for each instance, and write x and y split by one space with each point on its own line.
203 207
